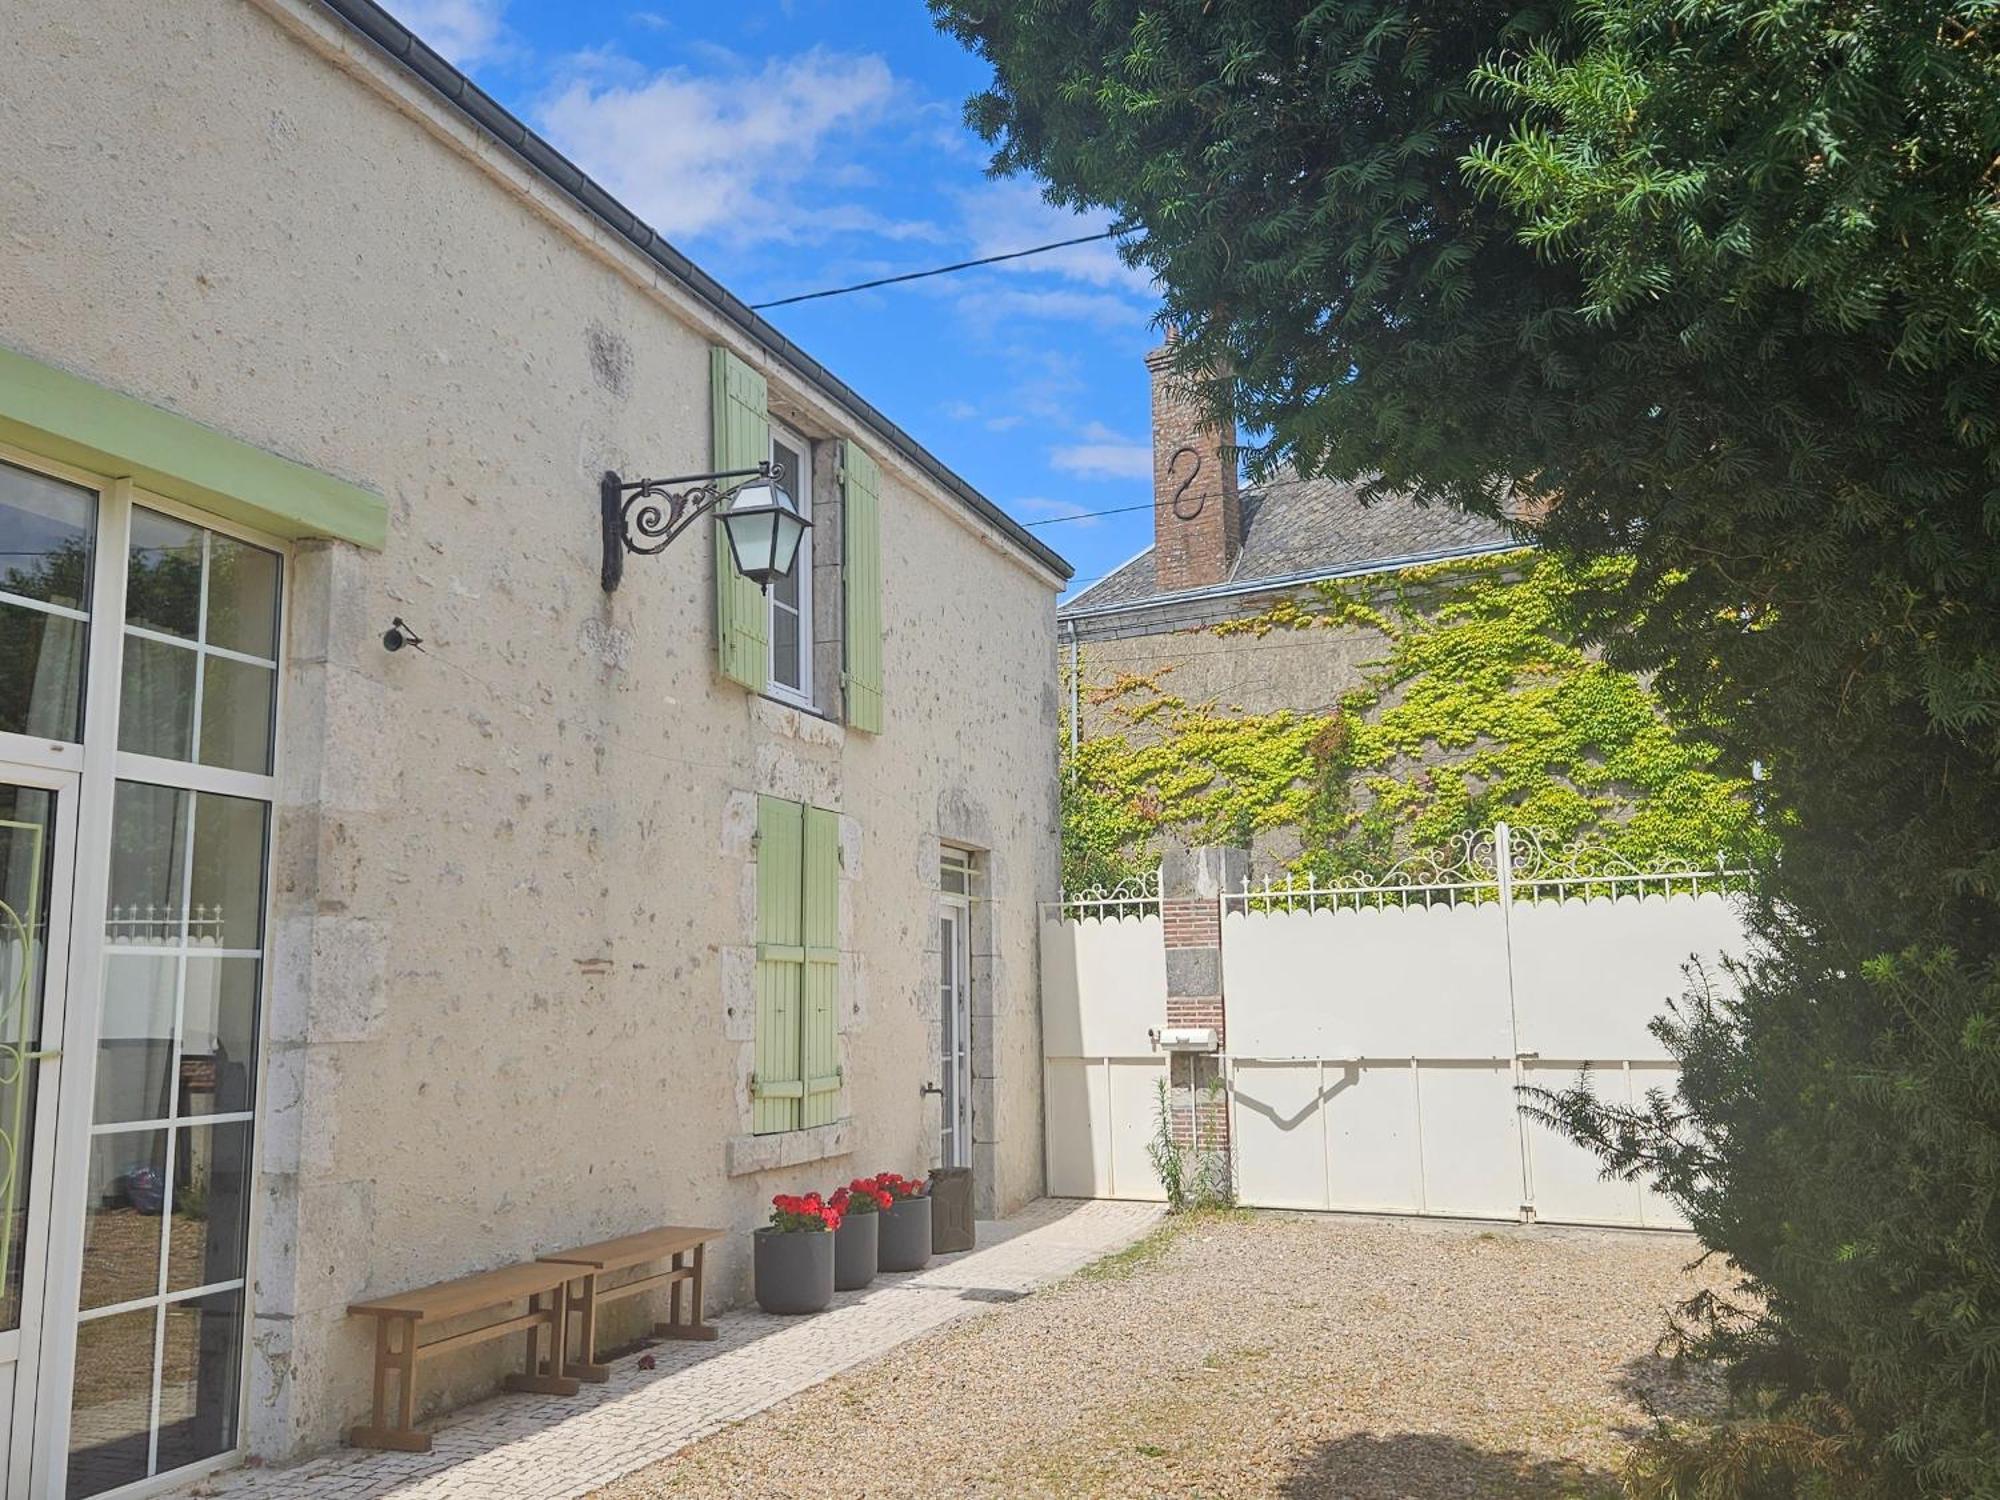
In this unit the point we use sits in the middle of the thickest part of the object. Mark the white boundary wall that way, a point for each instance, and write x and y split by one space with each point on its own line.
1104 987
1378 1033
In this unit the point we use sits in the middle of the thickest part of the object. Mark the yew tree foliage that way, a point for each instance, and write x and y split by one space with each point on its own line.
1717 282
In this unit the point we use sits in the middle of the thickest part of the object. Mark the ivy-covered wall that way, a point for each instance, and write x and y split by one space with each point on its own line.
1345 729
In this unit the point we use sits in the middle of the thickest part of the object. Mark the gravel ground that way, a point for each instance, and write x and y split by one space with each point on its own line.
1255 1355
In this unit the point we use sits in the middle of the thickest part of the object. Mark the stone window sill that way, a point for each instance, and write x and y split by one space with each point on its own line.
745 1155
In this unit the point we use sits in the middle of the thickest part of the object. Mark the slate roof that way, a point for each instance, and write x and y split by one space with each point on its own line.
1294 526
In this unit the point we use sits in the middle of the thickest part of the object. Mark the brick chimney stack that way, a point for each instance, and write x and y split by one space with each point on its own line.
1197 514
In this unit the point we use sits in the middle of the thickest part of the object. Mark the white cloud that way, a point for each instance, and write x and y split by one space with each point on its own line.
1009 214
461 31
720 154
1104 454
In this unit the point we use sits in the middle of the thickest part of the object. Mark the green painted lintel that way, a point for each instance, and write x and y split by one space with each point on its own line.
76 421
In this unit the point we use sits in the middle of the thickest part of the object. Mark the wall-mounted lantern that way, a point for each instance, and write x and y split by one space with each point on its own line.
762 521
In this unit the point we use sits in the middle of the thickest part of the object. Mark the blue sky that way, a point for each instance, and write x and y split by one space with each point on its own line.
790 145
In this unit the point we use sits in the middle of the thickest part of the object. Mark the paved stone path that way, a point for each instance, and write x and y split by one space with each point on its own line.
553 1448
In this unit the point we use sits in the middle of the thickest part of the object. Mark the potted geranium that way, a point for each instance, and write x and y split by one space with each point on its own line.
855 1243
794 1254
906 1223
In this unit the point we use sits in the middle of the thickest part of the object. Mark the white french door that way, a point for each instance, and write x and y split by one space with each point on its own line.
138 690
955 1011
37 865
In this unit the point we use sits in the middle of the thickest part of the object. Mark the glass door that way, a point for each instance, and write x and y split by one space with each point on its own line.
37 858
139 646
955 1014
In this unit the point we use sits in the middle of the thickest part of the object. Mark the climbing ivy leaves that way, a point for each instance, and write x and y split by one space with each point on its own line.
1480 704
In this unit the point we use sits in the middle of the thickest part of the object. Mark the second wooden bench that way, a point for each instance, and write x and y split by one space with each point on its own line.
588 1265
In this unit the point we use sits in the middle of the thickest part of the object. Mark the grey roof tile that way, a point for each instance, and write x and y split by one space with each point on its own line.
1293 526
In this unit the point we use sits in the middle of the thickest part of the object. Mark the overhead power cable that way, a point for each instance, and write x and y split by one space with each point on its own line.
963 265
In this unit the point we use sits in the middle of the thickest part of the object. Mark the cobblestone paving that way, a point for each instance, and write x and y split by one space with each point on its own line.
551 1448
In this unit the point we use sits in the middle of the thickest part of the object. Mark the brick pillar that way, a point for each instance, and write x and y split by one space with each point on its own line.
1192 883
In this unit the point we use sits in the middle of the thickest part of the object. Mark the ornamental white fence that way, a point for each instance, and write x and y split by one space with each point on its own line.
1379 1029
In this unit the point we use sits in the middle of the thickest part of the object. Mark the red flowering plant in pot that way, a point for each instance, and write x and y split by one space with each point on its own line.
794 1254
906 1223
855 1243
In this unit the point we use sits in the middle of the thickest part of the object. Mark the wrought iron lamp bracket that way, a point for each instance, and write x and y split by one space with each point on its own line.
645 516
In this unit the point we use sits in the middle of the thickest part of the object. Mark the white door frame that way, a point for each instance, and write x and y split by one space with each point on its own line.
955 960
20 1348
96 766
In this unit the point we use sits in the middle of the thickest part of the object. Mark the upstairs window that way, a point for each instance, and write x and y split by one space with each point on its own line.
791 596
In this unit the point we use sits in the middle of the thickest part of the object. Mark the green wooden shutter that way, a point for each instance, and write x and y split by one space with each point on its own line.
821 936
742 441
779 1085
861 526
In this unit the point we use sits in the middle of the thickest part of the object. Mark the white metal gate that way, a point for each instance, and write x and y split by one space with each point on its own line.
1104 987
1379 1030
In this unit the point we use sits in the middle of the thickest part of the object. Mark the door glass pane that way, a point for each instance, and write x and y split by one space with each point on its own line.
149 847
135 1039
47 540
218 1036
236 714
121 1225
163 584
27 855
156 887
198 1380
111 1409
205 1227
228 883
217 594
46 533
242 597
41 673
156 699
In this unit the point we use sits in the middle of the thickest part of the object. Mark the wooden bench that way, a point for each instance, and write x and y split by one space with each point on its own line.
588 1265
539 1283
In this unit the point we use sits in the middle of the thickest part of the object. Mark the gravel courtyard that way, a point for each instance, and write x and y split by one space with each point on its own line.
1254 1355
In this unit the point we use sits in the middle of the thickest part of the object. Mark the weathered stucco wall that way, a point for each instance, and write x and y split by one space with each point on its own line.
1242 673
508 1005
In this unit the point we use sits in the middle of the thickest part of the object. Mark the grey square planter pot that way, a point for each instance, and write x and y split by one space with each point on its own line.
906 1235
794 1271
855 1246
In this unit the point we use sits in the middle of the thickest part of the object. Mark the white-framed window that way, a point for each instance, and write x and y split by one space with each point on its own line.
140 643
790 598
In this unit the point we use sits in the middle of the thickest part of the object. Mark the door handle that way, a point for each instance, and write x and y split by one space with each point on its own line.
930 1088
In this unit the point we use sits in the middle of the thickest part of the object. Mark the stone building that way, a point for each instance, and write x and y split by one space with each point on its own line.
1161 625
333 969
1223 554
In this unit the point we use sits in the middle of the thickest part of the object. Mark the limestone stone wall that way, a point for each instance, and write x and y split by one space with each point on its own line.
509 999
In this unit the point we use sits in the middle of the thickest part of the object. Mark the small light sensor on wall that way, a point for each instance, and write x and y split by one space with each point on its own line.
399 635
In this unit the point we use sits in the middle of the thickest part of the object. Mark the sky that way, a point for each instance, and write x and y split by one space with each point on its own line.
792 145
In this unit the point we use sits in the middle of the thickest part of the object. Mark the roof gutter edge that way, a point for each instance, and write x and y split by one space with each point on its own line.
410 51
1289 580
